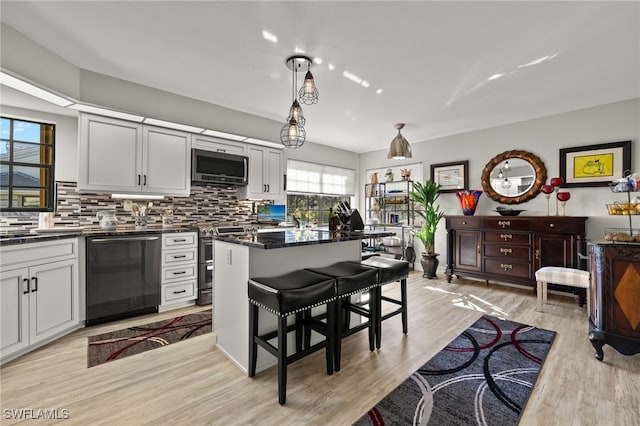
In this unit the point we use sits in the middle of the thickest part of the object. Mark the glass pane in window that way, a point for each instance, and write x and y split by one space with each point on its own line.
29 197
26 131
4 197
4 151
4 175
30 153
5 128
26 176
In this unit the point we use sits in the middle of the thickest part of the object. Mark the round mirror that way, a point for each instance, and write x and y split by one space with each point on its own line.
513 177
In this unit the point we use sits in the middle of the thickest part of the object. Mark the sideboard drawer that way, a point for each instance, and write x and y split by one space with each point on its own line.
508 252
556 225
507 237
464 223
508 268
507 224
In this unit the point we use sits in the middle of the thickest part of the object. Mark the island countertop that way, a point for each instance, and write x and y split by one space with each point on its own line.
298 237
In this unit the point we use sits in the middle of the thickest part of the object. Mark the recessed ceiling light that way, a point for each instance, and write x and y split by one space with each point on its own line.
493 77
269 36
351 77
317 61
331 67
378 91
364 83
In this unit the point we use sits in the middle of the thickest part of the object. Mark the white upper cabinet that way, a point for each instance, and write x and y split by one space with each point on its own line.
121 156
209 143
265 175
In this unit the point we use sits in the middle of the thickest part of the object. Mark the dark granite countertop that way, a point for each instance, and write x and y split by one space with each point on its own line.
298 237
33 237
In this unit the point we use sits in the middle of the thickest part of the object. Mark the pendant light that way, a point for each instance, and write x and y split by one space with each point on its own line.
293 134
308 93
399 148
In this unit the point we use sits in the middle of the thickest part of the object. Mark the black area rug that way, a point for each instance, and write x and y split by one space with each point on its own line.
483 377
134 340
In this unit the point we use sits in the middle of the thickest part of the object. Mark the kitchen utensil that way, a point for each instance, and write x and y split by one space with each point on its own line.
135 209
107 219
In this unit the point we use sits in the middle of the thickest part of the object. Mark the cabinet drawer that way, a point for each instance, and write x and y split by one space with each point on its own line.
507 237
508 252
218 145
179 273
179 239
48 251
507 268
179 291
463 223
177 256
507 224
558 226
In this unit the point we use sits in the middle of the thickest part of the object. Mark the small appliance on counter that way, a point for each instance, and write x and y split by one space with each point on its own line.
350 218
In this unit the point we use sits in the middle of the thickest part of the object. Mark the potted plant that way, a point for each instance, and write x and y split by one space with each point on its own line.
425 196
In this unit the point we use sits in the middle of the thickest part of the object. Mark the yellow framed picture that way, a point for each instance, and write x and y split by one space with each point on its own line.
595 165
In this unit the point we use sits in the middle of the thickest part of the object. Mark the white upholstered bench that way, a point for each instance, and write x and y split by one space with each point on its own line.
558 275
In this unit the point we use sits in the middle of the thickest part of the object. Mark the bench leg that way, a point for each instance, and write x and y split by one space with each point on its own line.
337 328
253 331
282 360
403 300
331 336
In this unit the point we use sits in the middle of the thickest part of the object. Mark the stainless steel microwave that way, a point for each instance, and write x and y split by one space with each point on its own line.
219 168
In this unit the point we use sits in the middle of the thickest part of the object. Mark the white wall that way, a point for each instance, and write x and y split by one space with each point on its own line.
544 137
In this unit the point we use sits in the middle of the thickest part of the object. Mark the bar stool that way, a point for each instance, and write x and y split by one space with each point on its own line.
292 293
351 278
389 270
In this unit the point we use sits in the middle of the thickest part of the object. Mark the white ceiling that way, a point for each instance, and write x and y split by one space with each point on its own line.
436 62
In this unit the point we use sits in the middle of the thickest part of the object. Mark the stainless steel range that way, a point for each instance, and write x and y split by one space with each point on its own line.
205 259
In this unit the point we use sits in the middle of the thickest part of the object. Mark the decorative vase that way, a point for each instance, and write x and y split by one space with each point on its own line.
468 201
429 264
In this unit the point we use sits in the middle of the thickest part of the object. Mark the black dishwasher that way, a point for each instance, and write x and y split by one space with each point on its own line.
123 277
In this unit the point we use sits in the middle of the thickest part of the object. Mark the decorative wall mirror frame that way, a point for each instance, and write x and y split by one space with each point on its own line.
532 189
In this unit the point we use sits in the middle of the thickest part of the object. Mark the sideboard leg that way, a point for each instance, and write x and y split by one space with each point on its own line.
597 340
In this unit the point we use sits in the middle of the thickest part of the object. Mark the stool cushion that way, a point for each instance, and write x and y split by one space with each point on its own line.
292 292
389 270
351 277
565 276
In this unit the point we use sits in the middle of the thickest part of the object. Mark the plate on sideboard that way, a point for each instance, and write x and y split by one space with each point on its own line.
509 212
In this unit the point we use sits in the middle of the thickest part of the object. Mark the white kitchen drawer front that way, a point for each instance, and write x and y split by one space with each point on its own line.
179 273
172 257
172 293
219 145
41 252
179 239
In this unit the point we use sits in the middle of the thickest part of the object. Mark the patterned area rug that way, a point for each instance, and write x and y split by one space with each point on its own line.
483 377
130 341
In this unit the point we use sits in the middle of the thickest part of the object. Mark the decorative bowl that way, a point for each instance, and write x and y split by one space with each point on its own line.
508 212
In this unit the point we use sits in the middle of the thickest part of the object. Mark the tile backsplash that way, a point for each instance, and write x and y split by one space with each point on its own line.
206 206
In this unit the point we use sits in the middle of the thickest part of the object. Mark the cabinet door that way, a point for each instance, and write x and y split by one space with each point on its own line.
14 310
468 250
554 250
110 155
257 186
273 173
53 300
166 166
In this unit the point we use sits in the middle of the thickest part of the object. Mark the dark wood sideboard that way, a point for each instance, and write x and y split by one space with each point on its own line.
511 248
615 297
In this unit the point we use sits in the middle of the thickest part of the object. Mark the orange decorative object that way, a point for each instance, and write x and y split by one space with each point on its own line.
468 201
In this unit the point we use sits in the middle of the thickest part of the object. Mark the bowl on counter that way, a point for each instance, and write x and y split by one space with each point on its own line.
508 212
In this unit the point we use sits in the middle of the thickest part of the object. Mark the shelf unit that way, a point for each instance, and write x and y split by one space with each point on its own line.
628 209
388 201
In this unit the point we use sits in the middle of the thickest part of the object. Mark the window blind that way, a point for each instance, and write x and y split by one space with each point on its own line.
315 178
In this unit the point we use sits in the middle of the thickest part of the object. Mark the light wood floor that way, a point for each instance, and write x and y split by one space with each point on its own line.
191 383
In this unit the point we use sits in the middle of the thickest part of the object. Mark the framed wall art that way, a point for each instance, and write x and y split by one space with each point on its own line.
451 176
594 165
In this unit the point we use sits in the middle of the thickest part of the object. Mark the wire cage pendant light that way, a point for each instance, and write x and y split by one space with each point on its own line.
293 133
308 93
399 148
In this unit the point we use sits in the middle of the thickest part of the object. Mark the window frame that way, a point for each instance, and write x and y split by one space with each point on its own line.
48 168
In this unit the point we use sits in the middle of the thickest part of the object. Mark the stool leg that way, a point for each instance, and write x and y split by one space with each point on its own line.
282 359
301 330
403 300
330 337
337 327
544 292
539 294
373 309
377 317
253 332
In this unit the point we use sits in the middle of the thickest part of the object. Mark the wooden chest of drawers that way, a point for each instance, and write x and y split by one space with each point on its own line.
511 249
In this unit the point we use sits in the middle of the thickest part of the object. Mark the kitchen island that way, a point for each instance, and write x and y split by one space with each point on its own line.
239 257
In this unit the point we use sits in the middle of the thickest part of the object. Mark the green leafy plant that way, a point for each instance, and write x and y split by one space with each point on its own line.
425 196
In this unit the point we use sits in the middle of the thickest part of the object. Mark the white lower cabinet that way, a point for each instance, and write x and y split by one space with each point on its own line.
39 294
179 270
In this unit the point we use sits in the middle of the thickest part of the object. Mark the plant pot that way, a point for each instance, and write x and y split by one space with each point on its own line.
430 264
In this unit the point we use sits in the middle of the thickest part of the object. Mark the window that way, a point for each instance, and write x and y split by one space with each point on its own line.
314 188
26 165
